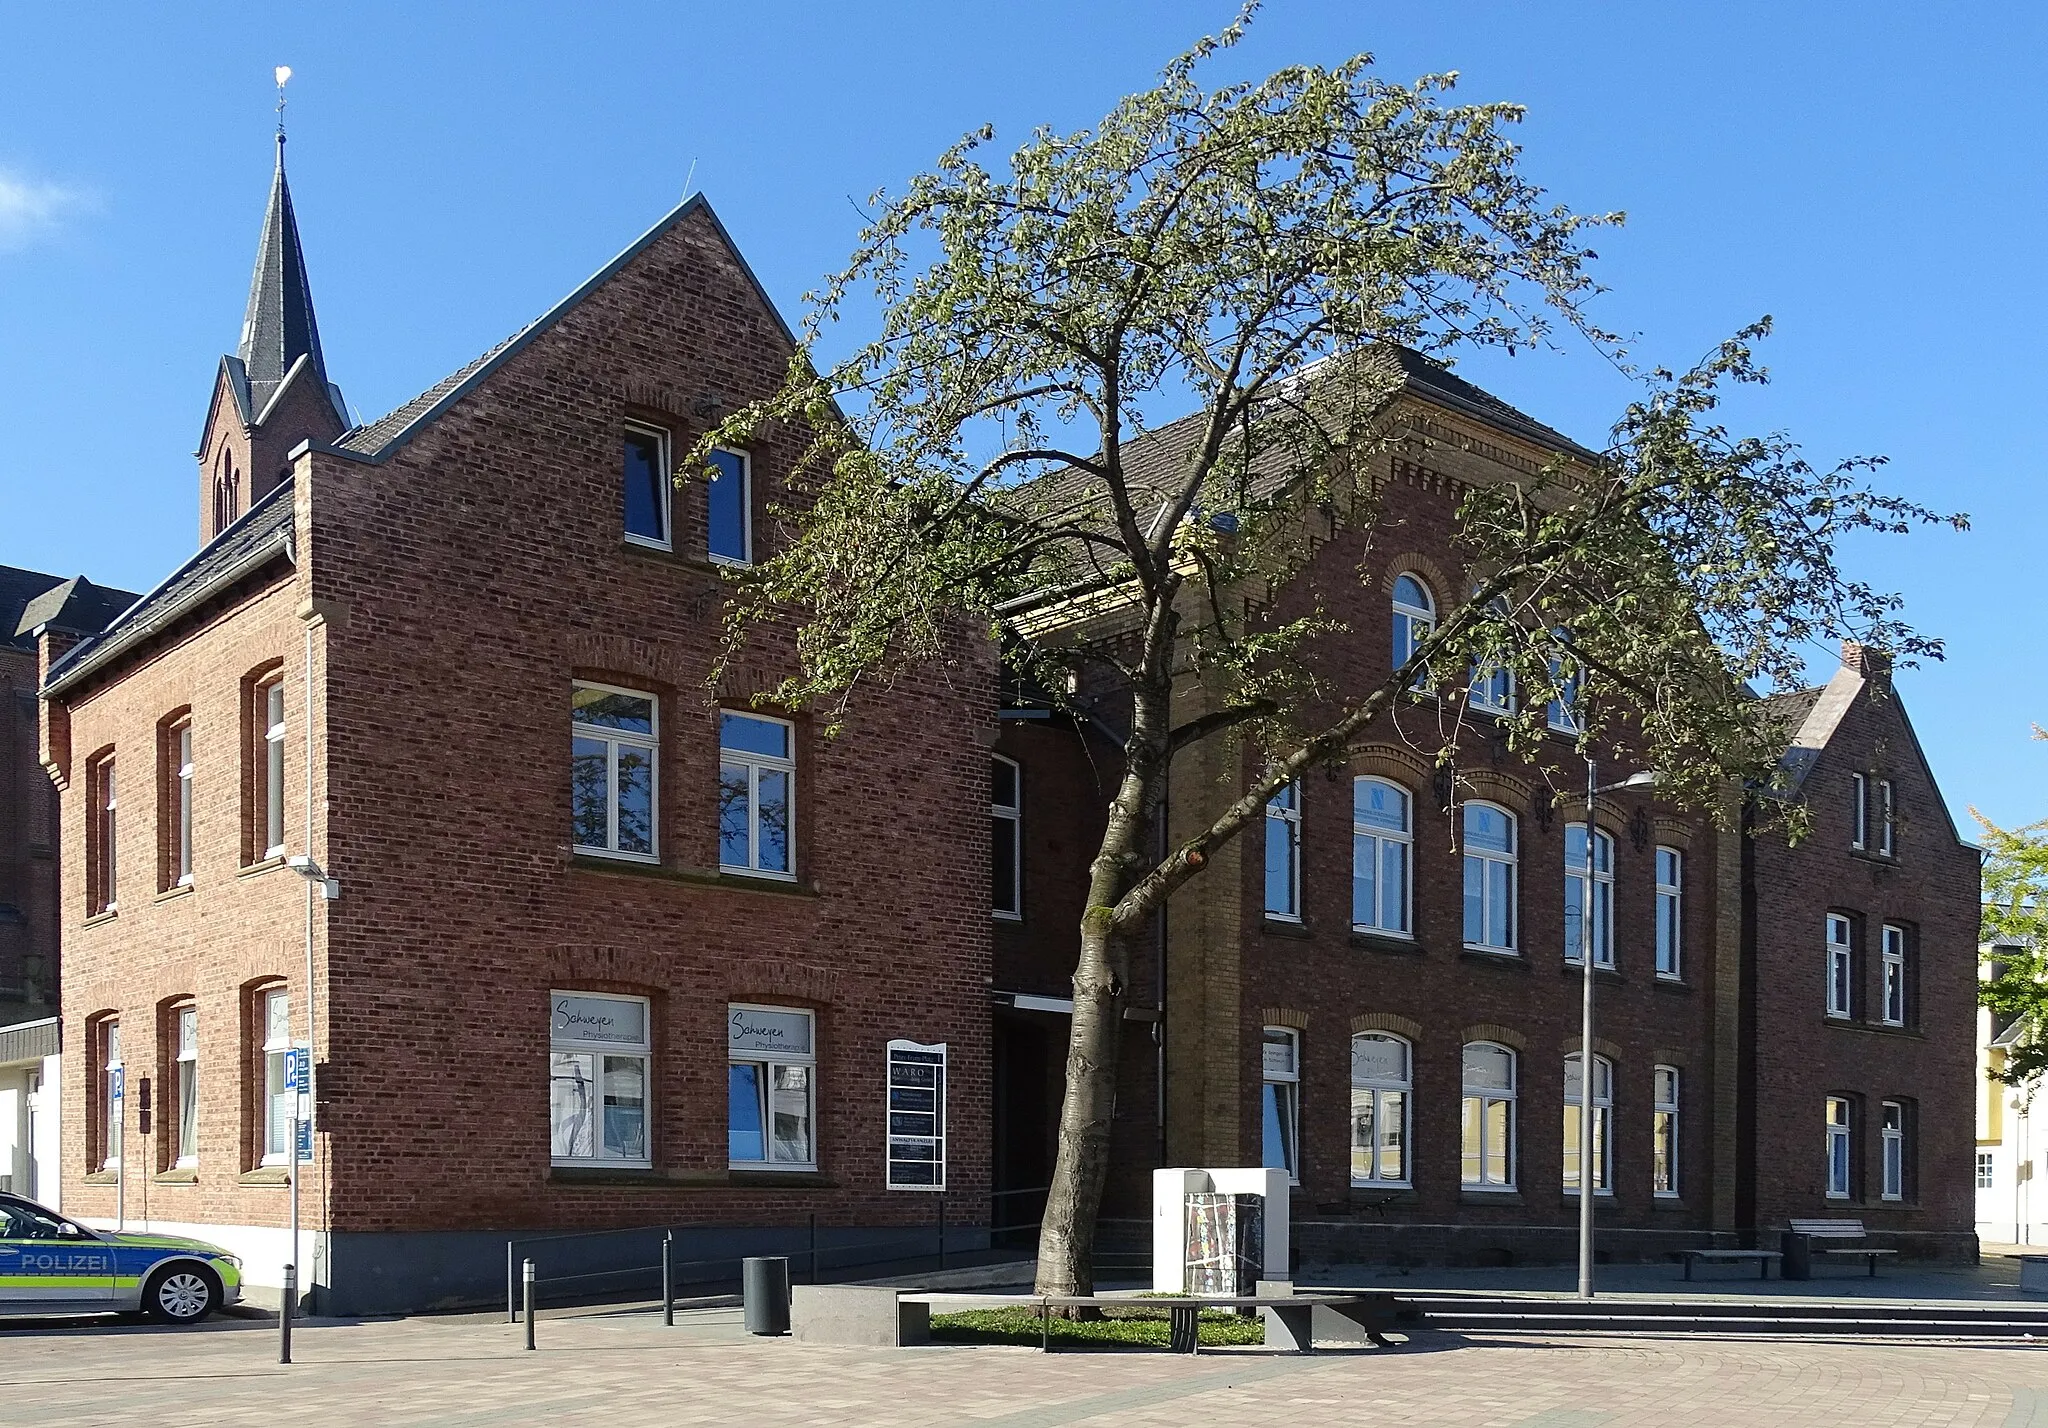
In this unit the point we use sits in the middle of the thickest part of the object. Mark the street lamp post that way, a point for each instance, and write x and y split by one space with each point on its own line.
1587 903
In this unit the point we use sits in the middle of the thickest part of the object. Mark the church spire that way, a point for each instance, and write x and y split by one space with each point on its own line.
279 327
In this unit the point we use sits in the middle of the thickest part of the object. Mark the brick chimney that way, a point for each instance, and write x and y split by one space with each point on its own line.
1873 664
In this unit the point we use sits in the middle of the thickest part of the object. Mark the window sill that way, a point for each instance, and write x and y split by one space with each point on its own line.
103 1177
1493 957
173 894
1671 984
765 1178
1385 942
695 877
267 1175
1382 1197
263 865
1667 1203
607 1175
177 1175
1876 1028
666 554
1576 971
1013 918
1871 855
1506 1195
102 916
1284 927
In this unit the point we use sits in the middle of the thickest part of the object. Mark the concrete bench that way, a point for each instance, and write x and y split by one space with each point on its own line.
1290 1318
1763 1258
1840 1230
857 1314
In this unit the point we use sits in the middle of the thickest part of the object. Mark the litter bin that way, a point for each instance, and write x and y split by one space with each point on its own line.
1798 1260
764 1289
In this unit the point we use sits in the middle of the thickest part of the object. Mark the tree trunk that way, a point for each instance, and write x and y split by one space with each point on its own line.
1066 1236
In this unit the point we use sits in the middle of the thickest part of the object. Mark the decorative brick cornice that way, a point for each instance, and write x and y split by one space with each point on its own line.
1431 574
1490 1031
1404 766
1387 1021
1673 832
1511 793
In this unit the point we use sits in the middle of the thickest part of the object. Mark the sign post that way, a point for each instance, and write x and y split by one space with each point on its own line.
298 1085
118 1094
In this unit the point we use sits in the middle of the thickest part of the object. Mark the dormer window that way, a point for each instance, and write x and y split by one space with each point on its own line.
647 488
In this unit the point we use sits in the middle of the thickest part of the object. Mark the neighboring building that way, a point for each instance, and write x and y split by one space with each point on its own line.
1379 991
2010 1153
29 1031
587 941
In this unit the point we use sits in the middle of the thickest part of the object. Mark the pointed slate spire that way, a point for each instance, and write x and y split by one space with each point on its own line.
279 327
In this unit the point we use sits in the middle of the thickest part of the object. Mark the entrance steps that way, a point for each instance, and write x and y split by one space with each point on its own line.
1774 1315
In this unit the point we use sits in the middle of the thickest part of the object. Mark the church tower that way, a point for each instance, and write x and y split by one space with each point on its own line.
273 392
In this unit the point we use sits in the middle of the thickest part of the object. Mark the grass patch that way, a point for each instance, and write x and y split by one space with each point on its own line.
1118 1328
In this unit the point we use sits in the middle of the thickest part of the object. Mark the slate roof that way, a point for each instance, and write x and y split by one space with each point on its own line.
29 598
262 531
278 327
373 437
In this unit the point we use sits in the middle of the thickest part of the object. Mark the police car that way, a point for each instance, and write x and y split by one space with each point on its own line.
52 1265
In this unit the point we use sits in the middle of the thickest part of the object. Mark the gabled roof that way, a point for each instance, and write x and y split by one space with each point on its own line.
29 598
263 533
379 440
1811 717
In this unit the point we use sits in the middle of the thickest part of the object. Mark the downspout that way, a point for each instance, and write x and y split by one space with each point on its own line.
311 1098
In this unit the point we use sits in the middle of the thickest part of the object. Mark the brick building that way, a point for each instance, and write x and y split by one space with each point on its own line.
1380 990
29 964
419 760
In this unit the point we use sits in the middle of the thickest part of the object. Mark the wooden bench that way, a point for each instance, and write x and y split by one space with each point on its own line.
1841 1230
1763 1258
1293 1314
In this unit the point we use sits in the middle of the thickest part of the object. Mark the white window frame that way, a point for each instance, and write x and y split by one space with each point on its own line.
1667 1087
613 740
564 1042
186 1071
1412 623
1859 810
1370 843
1839 1134
904 1058
1892 1140
181 789
113 1108
277 1042
1603 1126
1670 929
1486 859
1987 1170
1602 899
1373 1092
746 511
1283 1088
1283 817
664 463
766 1083
273 766
1013 814
1562 713
1885 846
107 889
1840 967
1892 955
1492 690
1487 1097
755 765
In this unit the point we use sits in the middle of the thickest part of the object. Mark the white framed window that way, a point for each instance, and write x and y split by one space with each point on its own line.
917 1116
756 795
648 489
1664 1139
1841 966
181 814
1488 1149
1603 1124
1414 618
1670 913
1893 953
278 1099
113 1106
613 771
1280 1102
729 502
1492 689
273 766
1884 818
1562 713
104 842
599 1050
1382 856
1838 1147
1005 838
771 1107
188 1087
1576 879
1987 1170
1859 810
1382 1087
1892 1135
1490 861
1283 854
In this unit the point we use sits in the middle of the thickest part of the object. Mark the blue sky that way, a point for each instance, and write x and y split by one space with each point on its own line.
1871 176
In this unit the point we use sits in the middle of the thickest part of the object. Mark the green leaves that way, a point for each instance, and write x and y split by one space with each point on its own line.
2016 926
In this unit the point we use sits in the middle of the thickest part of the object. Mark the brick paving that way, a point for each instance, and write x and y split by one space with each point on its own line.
624 1370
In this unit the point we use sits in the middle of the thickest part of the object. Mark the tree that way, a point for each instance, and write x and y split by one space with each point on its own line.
2016 922
1267 255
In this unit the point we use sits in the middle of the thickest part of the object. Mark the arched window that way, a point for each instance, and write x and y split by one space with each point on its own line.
1576 876
1414 618
1892 1133
1489 877
1381 837
1664 1134
1603 1124
1488 1157
1380 1088
1280 1112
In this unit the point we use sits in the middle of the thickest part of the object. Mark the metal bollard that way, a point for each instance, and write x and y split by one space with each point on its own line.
526 1279
511 1286
668 1279
284 1314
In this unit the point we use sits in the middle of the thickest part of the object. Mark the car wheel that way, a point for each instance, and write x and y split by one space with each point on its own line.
181 1294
